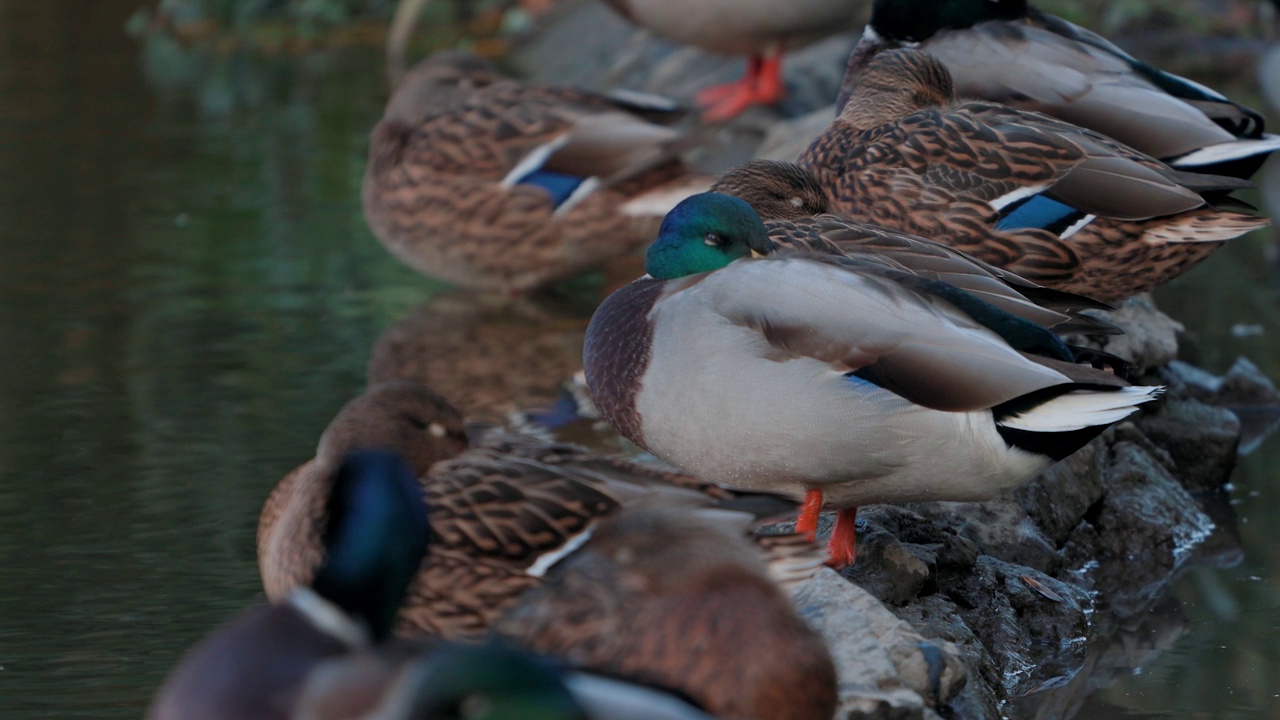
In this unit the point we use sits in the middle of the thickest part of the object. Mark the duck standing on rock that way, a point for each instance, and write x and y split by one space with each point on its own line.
493 184
1009 52
1055 203
826 378
759 29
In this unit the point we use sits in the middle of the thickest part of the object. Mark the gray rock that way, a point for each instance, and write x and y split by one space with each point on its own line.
886 668
1150 337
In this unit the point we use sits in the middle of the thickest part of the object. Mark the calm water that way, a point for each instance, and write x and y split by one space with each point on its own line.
189 293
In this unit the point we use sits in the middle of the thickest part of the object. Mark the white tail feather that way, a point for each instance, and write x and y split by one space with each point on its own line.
1228 151
1081 409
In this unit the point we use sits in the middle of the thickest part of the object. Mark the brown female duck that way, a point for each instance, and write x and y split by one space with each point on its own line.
669 598
1058 204
502 507
493 184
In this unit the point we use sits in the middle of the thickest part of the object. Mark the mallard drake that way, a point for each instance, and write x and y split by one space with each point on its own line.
687 602
1058 204
823 377
494 184
1011 53
490 681
257 665
758 29
795 211
502 507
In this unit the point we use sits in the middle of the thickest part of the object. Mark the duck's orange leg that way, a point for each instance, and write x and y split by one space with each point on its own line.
840 549
762 85
807 521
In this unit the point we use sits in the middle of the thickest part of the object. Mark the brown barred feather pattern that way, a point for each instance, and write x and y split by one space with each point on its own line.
497 503
905 154
434 191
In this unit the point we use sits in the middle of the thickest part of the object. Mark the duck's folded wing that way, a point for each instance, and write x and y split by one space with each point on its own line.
529 511
1035 68
919 256
913 344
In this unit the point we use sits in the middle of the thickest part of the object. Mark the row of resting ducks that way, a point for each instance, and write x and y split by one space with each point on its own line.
879 321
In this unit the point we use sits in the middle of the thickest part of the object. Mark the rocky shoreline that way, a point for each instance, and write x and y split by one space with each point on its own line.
1020 606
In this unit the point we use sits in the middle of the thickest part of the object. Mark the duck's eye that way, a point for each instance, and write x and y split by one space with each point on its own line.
796 201
713 239
437 430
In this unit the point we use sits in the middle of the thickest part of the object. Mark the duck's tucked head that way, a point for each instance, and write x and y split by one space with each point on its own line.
490 682
776 190
919 20
705 232
375 538
894 84
440 83
402 416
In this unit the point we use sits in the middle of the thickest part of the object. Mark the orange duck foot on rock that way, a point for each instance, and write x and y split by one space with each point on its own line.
840 546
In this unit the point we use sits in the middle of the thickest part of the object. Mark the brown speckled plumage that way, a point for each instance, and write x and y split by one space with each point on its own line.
437 190
664 598
496 502
905 154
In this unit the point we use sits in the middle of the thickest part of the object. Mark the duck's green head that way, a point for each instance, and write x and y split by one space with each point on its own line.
375 538
490 682
705 232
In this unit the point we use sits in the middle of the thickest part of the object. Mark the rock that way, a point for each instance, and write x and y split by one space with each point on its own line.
1200 438
887 669
1141 532
1150 337
1244 390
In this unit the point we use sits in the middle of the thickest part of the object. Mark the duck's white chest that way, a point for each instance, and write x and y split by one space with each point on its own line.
715 404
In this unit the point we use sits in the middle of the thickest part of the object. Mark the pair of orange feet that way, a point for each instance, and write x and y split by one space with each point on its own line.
840 550
762 85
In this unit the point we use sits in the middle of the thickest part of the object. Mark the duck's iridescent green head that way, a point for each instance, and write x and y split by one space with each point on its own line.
375 538
705 232
491 682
